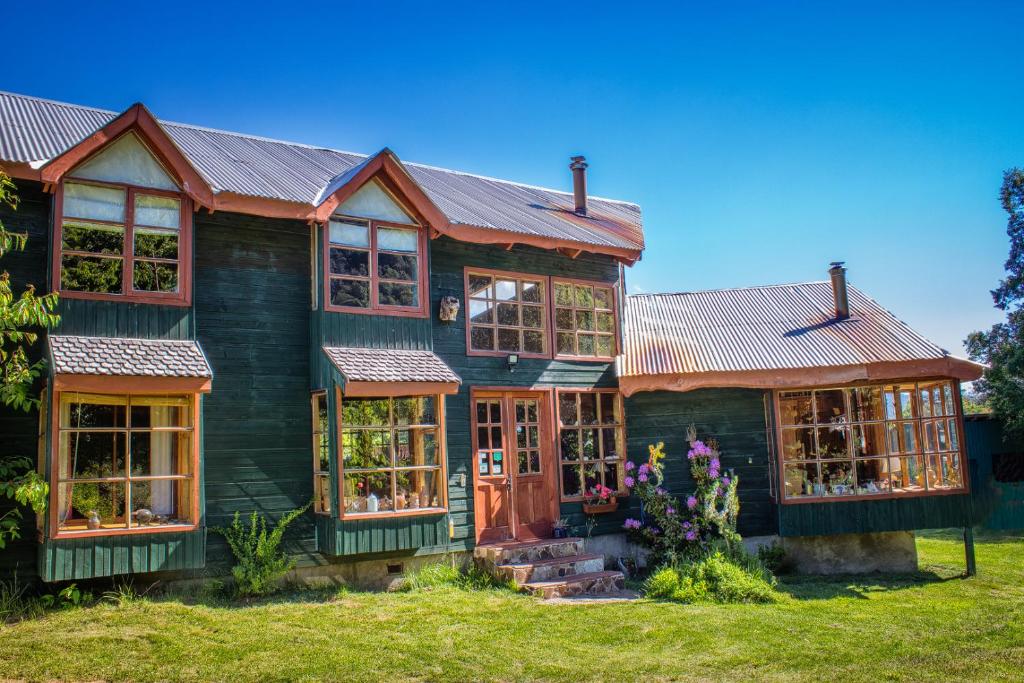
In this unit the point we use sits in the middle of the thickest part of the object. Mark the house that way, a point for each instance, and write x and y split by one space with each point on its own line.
440 360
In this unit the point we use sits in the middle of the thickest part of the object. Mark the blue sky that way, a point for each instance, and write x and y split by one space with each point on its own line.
762 140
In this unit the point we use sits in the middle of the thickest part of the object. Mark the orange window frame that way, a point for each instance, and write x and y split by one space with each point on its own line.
182 297
616 325
496 275
421 310
321 478
441 468
55 429
620 435
917 421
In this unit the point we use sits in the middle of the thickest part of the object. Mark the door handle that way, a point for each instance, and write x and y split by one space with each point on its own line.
508 482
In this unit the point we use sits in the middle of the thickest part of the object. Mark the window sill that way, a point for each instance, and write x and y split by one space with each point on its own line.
356 516
89 533
392 312
504 354
176 299
874 496
591 359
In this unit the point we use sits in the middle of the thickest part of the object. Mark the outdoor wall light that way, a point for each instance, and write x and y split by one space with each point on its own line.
513 361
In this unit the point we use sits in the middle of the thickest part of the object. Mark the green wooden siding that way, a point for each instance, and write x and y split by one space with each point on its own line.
998 505
115 319
86 558
735 417
252 320
383 535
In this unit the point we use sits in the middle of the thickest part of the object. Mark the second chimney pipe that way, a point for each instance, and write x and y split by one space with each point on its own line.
838 275
579 183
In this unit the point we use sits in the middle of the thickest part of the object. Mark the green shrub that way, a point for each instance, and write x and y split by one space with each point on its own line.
260 560
662 584
715 577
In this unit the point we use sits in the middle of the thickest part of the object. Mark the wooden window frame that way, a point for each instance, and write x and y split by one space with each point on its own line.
182 297
320 486
421 310
917 421
441 468
55 482
620 429
549 332
615 333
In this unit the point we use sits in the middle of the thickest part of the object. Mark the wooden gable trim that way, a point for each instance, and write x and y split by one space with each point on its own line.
379 389
388 168
136 119
122 384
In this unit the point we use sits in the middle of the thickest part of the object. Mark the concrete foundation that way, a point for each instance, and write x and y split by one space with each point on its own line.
891 552
614 546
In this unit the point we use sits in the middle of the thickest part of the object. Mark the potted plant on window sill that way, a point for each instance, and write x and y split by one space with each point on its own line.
600 500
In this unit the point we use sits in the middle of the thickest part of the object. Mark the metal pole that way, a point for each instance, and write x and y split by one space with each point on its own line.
972 567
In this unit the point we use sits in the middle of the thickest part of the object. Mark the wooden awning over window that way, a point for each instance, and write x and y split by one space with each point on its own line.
391 372
128 365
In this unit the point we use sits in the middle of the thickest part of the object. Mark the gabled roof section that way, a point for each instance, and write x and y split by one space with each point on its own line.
136 119
95 363
383 372
774 336
260 176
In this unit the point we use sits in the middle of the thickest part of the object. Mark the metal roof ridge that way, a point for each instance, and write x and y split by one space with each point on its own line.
734 289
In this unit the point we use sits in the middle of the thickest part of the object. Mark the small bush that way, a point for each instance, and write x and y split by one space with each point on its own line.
448 574
662 584
260 560
715 577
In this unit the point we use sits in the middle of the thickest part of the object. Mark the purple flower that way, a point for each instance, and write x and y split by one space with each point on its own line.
629 482
725 481
686 525
644 468
632 523
691 535
691 502
713 472
630 465
715 464
642 477
670 511
660 491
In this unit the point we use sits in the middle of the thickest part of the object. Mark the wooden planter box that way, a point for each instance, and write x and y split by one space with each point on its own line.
601 508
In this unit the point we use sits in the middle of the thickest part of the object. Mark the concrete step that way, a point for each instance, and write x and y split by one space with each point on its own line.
526 552
547 570
591 583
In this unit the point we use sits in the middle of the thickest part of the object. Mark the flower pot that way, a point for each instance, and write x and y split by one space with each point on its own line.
560 532
601 508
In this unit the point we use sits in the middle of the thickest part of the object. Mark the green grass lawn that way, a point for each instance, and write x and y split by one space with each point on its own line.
932 625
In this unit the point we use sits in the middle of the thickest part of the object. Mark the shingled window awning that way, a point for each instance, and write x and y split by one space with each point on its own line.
128 365
392 372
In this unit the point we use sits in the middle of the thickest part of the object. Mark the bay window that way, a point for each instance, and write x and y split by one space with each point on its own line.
591 441
392 460
321 454
125 462
872 440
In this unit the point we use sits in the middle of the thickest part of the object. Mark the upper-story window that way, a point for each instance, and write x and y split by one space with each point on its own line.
539 316
375 257
123 228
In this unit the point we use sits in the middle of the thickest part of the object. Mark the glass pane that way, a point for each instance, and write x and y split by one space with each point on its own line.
497 462
94 238
907 474
366 448
93 201
482 439
566 342
567 408
422 448
367 492
837 478
480 286
88 411
350 262
533 342
354 293
831 406
482 338
588 408
603 298
584 296
564 319
533 436
390 294
802 480
533 316
589 444
929 438
496 437
126 160
495 411
571 481
481 411
156 243
795 408
396 239
587 345
604 322
533 292
148 276
872 476
508 314
569 444
484 462
508 340
351 234
160 453
798 444
592 476
396 267
609 444
947 395
90 274
868 440
609 408
523 462
908 408
605 346
944 471
91 506
322 492
866 403
417 489
92 455
416 410
584 320
832 442
481 311
157 212
161 411
505 290
954 437
365 412
535 461
160 502
563 295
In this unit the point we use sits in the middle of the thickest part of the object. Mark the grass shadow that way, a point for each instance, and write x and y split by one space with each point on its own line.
860 586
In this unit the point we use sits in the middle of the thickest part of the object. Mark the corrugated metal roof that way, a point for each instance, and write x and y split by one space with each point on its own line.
762 328
34 130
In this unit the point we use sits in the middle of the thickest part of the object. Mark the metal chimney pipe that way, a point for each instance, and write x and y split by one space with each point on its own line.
842 301
579 183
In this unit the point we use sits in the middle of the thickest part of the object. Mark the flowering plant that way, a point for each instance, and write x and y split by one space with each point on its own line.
671 529
600 495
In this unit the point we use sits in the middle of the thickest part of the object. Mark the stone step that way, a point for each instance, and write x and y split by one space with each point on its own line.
547 570
526 552
591 583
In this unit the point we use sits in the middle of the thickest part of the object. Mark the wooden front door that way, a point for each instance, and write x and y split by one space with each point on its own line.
515 482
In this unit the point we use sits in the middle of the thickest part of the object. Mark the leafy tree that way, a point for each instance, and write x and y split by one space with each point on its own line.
1002 347
19 316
